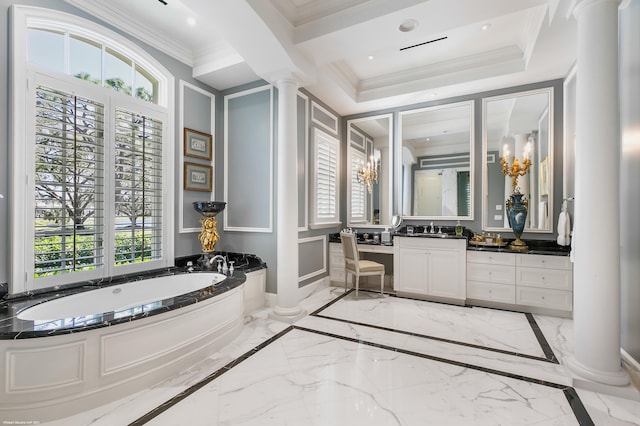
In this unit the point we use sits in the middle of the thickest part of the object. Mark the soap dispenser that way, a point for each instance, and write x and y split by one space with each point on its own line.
458 229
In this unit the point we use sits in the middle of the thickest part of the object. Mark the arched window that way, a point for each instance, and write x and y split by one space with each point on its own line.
91 156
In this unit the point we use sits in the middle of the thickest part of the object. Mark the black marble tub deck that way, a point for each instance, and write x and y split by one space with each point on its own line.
11 327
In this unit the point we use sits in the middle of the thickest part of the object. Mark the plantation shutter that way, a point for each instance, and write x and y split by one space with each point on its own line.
464 194
138 188
69 194
358 192
326 178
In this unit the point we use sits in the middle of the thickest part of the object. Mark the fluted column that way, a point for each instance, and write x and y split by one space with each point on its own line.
596 313
287 307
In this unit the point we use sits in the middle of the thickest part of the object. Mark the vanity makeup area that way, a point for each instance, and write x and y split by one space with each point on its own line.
440 166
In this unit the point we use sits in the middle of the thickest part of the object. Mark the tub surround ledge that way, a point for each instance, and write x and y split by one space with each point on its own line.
11 327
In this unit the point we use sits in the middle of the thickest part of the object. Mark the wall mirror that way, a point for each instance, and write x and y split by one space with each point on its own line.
435 167
512 124
370 170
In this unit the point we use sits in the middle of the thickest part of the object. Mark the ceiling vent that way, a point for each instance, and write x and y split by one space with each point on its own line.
423 43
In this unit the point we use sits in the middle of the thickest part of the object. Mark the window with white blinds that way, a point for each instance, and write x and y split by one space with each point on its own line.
88 153
69 190
138 188
325 179
358 190
72 172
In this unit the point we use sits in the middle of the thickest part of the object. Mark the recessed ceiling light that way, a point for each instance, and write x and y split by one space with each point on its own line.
408 25
370 57
191 21
485 27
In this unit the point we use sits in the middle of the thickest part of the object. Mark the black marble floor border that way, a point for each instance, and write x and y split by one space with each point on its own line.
582 416
544 345
542 341
211 377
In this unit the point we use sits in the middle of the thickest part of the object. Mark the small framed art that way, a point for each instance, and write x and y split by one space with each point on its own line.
197 144
197 177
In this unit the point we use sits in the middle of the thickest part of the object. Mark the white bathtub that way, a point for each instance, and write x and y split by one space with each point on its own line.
56 376
120 297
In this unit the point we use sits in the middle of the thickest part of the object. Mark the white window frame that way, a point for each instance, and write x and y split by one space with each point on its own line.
23 82
319 138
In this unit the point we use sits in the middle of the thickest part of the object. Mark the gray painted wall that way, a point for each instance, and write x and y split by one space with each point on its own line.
248 173
630 177
197 116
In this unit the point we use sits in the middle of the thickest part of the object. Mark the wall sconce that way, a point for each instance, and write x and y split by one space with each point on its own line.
369 174
515 170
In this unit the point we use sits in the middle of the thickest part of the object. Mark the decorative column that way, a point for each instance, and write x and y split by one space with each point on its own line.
287 308
596 312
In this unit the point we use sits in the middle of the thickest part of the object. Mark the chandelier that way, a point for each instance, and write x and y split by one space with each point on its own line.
368 175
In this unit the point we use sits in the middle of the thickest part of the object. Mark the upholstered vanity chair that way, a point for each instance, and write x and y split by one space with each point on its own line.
354 266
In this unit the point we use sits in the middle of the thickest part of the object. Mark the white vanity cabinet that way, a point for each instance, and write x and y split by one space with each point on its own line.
336 264
432 268
544 281
491 276
523 282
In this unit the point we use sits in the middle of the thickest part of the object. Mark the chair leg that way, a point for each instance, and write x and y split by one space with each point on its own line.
357 283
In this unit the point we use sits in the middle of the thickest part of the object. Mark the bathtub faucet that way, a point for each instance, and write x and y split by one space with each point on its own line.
221 268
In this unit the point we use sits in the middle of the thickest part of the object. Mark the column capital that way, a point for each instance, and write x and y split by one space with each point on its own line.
286 81
577 6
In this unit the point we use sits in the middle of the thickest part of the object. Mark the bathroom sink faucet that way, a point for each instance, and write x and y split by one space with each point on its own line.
222 268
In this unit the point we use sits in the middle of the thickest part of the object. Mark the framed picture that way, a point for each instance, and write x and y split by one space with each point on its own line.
543 177
197 177
197 144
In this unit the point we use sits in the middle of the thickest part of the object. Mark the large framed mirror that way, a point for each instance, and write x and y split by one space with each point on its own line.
370 170
435 168
518 125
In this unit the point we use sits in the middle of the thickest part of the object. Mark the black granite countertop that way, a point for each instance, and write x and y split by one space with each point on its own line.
545 247
11 327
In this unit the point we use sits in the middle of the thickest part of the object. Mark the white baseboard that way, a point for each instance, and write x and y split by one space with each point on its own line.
632 367
303 292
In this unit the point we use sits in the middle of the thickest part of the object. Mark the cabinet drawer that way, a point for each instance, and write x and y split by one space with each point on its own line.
544 298
490 291
542 261
491 273
431 243
491 258
545 278
335 248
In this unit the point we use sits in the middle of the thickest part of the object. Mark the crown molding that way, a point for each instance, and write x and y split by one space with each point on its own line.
470 68
102 10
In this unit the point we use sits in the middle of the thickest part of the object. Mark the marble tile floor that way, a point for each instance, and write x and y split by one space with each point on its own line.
376 360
